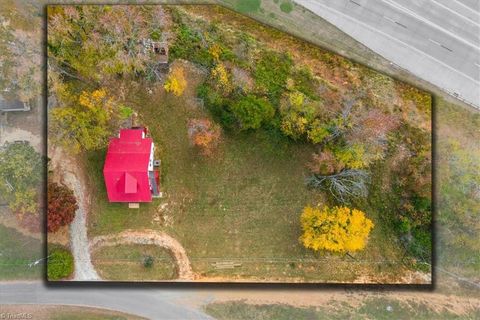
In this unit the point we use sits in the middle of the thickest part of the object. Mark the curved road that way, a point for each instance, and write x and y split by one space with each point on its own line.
436 40
151 303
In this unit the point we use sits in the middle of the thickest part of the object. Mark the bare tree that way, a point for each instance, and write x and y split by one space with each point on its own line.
347 184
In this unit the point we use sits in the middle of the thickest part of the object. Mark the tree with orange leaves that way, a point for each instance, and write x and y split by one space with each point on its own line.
204 135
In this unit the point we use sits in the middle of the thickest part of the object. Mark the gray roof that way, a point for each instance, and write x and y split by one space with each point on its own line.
12 105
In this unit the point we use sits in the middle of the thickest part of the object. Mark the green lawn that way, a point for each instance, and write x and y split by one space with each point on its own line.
16 252
372 308
125 263
242 205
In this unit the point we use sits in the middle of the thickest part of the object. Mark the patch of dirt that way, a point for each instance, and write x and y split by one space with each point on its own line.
61 237
242 78
151 237
162 215
11 134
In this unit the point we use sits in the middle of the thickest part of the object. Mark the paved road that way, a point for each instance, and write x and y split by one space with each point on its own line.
436 40
152 303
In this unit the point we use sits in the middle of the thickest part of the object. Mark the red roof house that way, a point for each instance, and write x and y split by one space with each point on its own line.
129 167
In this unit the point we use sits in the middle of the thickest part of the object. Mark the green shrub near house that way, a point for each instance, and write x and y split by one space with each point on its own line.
286 6
60 263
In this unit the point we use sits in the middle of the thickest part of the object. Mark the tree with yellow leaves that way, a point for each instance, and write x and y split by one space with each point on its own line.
84 122
337 229
176 82
215 51
222 79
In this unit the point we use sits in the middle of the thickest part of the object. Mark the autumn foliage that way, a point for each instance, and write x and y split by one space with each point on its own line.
204 134
61 206
337 229
84 121
176 82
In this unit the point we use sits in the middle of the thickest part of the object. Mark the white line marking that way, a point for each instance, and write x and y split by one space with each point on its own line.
467 7
413 14
392 38
389 19
458 14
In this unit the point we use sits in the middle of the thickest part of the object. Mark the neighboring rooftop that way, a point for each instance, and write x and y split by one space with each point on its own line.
12 105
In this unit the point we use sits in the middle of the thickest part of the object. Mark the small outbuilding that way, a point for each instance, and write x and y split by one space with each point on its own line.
130 171
161 51
7 105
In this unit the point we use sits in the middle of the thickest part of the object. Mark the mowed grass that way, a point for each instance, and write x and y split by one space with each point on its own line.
125 263
241 205
16 252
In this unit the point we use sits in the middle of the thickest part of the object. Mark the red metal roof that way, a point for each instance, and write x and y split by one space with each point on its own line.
126 167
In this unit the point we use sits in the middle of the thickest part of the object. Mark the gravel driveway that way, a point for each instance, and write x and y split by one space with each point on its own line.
64 165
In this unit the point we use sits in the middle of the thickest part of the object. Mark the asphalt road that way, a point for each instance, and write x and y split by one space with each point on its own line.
152 303
436 40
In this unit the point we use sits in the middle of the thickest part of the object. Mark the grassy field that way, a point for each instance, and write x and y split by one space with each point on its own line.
373 308
242 205
16 252
125 263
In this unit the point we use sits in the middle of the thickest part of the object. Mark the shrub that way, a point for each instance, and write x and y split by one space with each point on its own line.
294 125
337 229
125 112
271 73
204 134
148 262
62 206
251 112
304 82
188 45
286 7
59 264
217 104
298 114
318 132
351 156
